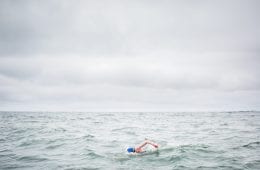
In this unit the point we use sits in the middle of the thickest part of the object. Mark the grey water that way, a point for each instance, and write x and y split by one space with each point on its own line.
187 140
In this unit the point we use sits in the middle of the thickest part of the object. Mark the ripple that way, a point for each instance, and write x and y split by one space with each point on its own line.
31 159
51 147
252 145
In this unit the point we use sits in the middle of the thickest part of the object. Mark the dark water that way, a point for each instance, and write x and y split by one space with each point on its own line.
45 140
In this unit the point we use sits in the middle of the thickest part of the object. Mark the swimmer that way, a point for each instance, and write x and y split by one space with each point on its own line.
139 149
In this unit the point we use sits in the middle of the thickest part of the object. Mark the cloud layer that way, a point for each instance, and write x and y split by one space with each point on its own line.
129 55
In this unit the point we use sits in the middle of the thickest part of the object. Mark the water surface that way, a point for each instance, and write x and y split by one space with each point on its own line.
57 140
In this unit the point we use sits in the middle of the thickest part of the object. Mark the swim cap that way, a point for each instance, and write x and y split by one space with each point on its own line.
130 150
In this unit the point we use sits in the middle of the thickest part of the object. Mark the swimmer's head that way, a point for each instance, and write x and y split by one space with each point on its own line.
130 149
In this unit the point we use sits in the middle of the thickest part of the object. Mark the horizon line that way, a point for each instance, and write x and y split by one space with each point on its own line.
233 111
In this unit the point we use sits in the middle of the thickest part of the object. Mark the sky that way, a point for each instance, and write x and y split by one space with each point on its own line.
129 55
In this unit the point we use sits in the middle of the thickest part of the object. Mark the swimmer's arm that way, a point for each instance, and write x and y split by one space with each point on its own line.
153 144
145 143
142 145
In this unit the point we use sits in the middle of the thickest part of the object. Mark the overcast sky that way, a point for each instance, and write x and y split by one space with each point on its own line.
127 55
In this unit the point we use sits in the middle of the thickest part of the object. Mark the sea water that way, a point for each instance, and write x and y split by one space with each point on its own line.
199 140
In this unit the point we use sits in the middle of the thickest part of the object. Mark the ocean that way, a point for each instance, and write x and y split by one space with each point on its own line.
82 140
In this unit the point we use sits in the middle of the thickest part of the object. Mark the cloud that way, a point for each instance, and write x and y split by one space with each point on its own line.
129 27
129 55
133 81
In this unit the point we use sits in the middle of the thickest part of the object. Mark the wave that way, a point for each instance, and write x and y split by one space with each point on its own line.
252 144
33 158
93 155
54 146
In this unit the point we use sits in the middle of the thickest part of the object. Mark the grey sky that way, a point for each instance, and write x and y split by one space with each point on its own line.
129 55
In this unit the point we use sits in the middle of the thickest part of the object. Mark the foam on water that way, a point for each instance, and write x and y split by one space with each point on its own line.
45 140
